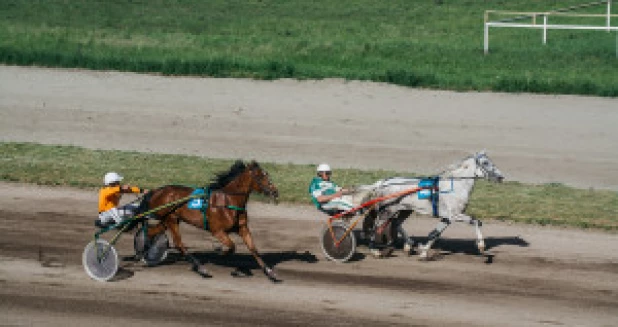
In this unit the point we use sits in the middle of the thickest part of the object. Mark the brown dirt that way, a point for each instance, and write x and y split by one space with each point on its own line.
533 276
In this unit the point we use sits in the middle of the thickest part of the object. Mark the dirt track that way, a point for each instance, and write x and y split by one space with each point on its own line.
536 276
532 277
533 138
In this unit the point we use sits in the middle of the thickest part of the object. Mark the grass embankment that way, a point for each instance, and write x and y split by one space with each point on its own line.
435 44
551 204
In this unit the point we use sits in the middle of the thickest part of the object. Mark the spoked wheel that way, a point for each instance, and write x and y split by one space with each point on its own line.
100 260
343 251
156 251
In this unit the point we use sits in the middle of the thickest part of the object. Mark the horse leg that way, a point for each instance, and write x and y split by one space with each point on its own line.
433 236
386 223
480 242
408 242
399 213
174 228
245 233
151 232
225 239
378 222
155 230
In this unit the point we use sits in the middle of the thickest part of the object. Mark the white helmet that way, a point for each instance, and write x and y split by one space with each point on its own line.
112 177
323 167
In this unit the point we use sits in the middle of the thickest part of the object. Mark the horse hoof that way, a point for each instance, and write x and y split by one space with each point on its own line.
376 253
271 275
387 252
202 271
424 253
481 246
407 248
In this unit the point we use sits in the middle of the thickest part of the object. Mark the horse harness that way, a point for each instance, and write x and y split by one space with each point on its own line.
201 196
430 190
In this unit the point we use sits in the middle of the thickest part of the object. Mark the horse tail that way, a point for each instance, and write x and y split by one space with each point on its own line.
144 204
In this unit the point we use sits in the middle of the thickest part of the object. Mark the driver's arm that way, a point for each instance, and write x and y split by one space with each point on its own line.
326 198
132 189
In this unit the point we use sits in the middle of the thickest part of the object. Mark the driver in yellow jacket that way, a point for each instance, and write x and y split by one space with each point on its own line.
109 198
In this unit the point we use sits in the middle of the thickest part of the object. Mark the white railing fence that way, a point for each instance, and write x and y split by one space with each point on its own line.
516 16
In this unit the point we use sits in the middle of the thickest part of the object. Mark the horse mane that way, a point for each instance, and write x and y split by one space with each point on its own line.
224 178
455 164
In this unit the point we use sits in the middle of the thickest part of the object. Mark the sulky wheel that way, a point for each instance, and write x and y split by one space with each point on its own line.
100 260
156 251
344 250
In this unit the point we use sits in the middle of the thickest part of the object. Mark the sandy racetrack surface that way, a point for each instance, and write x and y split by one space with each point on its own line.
531 276
533 138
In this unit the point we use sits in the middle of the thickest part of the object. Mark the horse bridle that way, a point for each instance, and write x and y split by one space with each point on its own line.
478 164
259 180
488 174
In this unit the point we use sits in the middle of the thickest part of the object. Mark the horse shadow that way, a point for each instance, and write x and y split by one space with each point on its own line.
242 263
450 246
122 274
468 246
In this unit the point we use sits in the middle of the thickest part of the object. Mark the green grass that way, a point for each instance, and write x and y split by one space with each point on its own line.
550 204
434 44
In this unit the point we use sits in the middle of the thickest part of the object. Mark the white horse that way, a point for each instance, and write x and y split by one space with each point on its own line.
446 196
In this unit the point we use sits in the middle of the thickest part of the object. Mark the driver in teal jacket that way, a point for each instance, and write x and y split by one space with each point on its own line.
326 195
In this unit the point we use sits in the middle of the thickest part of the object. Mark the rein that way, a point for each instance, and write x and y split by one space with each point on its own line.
233 193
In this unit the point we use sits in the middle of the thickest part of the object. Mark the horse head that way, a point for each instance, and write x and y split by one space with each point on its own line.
485 168
260 181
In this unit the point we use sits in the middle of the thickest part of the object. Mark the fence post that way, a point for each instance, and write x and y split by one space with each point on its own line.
609 13
486 38
545 29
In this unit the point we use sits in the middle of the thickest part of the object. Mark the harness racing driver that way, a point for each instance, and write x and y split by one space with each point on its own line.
109 198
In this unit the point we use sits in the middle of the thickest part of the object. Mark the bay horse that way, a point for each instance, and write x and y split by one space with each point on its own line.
227 197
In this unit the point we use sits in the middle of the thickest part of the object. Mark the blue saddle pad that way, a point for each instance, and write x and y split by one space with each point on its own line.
427 184
197 203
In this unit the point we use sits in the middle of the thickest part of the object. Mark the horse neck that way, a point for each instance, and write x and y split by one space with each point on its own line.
463 177
241 185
